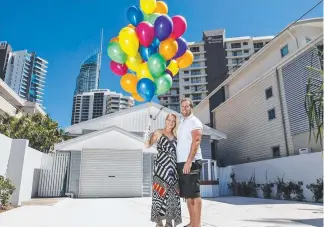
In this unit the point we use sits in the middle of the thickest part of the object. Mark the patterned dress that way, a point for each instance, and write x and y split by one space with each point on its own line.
165 196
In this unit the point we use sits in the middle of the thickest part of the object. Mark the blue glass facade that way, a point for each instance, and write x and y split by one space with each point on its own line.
88 77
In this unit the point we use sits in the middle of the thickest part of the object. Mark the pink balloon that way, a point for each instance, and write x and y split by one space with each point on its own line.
179 26
145 33
119 69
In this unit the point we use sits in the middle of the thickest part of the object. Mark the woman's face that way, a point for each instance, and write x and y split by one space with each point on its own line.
170 122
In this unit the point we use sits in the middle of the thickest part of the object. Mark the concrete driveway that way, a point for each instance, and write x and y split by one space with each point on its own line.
135 212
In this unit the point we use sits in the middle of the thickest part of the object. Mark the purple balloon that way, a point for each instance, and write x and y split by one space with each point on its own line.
182 47
163 27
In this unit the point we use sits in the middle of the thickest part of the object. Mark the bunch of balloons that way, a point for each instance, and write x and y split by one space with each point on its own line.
150 50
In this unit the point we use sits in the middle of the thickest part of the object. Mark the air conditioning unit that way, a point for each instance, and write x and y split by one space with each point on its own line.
304 150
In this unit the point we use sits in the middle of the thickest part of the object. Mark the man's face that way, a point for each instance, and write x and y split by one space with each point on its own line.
186 109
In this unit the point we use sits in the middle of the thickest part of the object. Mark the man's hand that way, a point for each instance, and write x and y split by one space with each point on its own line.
187 167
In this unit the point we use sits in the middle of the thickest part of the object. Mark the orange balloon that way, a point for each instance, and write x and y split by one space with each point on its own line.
128 82
161 8
137 97
185 60
115 39
168 48
131 26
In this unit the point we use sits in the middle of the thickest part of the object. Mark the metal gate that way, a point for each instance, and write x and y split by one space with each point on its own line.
148 162
53 177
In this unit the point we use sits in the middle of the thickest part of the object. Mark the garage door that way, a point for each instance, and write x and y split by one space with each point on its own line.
111 173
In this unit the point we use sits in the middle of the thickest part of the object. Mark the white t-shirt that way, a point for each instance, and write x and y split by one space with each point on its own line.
184 138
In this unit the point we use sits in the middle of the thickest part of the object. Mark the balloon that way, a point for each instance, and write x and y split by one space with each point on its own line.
146 89
161 8
144 72
128 83
115 39
145 33
156 42
182 47
152 17
185 60
131 26
119 69
163 27
146 52
173 67
146 17
128 41
168 48
156 65
116 53
134 15
179 26
133 62
163 84
137 97
148 6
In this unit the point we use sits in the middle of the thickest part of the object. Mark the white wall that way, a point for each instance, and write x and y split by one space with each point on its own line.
5 144
203 112
21 164
306 168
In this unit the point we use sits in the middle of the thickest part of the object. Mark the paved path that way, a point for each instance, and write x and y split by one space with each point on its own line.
135 212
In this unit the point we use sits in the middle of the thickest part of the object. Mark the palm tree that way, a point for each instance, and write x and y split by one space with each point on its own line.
314 100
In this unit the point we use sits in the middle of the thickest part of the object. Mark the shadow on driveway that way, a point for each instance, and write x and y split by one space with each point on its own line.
312 222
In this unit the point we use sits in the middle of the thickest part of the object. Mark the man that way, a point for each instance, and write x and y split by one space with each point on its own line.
189 161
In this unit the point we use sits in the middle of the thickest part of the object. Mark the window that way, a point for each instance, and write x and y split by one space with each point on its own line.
271 114
194 49
245 43
237 53
186 88
195 72
187 96
268 92
284 51
186 80
246 51
186 72
276 152
235 45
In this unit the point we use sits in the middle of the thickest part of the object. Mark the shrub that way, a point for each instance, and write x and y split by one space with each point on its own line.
317 190
6 190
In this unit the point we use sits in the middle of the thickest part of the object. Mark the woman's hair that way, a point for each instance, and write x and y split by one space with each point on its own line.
174 130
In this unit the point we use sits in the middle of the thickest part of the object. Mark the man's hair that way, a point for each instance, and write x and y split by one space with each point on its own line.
188 100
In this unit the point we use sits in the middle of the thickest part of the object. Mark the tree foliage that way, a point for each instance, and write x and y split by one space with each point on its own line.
41 131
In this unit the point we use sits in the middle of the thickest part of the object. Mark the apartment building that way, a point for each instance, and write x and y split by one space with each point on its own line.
5 50
263 113
215 58
98 102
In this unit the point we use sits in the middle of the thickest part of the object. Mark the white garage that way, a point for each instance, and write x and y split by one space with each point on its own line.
111 173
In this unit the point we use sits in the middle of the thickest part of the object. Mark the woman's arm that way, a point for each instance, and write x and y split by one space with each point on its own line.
152 140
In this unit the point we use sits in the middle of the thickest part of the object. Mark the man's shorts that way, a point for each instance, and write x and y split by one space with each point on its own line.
190 183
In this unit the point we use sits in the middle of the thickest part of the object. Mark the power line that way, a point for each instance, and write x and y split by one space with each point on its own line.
235 66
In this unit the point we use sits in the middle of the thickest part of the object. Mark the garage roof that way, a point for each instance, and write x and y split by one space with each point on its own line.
134 119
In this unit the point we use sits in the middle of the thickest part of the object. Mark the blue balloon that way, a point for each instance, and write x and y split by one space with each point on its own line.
156 42
135 15
163 27
146 52
146 89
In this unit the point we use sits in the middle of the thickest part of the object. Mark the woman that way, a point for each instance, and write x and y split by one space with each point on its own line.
165 196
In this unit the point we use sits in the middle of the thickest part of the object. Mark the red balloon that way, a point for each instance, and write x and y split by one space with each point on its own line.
145 33
119 69
179 26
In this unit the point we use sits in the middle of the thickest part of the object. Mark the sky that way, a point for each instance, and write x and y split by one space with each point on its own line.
64 32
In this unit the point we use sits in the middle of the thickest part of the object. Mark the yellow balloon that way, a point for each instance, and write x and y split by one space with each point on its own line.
144 72
133 62
185 60
128 41
161 8
128 82
137 97
173 67
148 6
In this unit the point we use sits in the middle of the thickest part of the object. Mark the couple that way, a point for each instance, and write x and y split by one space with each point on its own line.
177 168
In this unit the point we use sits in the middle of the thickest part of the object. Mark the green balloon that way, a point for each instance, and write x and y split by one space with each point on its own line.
152 17
163 84
156 65
116 53
146 17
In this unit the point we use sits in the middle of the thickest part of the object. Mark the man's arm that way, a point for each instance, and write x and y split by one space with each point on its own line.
196 140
